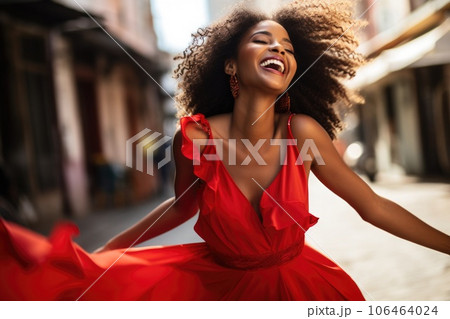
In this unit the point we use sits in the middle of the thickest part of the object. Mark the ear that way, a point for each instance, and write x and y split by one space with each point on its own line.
230 67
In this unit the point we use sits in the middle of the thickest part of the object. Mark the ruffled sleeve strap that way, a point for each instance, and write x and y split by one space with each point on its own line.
189 150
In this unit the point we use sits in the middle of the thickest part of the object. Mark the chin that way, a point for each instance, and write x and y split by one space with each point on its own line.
276 86
277 89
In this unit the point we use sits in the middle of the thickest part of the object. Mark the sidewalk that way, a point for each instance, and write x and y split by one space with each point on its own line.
98 227
384 266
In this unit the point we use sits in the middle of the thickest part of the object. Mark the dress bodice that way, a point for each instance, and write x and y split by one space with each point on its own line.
228 222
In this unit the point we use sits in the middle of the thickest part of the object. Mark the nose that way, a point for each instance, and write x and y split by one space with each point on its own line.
277 47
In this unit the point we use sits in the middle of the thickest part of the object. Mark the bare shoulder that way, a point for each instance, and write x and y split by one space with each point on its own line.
219 119
219 124
304 126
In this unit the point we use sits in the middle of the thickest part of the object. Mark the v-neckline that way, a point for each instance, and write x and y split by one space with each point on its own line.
275 179
258 215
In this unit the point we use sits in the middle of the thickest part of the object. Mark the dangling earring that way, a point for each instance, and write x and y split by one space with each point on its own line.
283 104
234 86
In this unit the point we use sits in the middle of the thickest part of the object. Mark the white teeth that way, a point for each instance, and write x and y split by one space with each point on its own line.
273 61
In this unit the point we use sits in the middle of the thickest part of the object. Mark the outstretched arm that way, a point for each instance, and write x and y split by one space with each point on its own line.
372 208
170 213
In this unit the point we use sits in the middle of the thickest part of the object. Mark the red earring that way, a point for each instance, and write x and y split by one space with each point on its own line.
283 104
234 86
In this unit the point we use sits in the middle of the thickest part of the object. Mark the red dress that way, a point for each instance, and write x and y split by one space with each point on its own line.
243 257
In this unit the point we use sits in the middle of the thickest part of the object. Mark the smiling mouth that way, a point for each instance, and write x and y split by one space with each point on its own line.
274 64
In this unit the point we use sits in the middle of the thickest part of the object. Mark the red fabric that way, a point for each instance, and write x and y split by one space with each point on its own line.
243 257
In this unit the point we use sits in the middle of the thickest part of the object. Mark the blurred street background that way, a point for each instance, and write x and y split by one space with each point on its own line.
79 78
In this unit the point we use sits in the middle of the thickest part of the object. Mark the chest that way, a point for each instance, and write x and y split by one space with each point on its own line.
252 171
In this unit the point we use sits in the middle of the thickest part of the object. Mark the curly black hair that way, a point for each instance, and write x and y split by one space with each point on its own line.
324 44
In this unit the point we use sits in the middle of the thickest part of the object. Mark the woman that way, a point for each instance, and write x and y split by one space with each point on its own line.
253 211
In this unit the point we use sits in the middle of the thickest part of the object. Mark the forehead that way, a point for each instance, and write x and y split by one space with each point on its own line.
270 26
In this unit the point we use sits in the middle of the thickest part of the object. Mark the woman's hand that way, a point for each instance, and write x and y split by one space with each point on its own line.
106 247
101 249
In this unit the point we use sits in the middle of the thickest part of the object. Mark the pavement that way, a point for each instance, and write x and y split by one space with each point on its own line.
384 267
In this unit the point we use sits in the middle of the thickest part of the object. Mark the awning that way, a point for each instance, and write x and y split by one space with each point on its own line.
429 49
77 26
438 56
45 12
89 40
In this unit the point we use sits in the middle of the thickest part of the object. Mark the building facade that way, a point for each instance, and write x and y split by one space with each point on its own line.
405 121
79 80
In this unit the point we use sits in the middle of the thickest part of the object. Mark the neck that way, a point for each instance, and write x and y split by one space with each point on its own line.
253 117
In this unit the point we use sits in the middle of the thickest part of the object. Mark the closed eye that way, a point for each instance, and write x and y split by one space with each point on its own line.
267 42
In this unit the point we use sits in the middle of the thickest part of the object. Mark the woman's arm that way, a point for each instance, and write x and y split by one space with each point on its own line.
170 213
372 208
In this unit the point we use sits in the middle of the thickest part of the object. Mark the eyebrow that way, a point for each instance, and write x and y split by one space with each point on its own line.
269 34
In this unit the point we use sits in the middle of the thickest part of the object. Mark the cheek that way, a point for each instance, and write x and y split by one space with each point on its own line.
243 60
293 69
247 57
